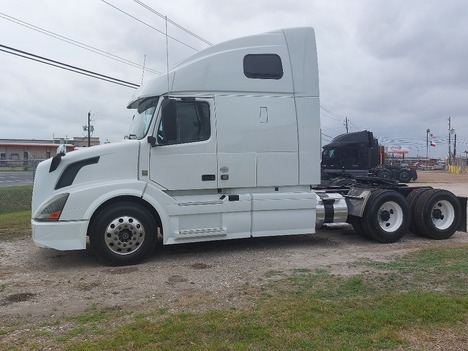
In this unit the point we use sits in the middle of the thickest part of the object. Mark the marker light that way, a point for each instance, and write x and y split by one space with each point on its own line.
52 209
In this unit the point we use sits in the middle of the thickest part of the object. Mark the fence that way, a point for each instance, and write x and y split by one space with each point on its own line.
28 167
458 166
19 165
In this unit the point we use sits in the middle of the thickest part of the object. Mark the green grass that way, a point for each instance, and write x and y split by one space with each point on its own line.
15 199
291 323
15 225
298 310
15 212
443 269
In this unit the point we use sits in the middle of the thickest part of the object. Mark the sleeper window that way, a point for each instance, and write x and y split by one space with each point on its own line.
263 66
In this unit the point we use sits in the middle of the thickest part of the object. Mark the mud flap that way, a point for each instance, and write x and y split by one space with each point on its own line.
462 201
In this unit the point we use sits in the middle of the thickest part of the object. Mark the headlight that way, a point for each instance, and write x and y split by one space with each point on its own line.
52 209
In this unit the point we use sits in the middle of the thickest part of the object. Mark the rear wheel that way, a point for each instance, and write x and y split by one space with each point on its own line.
386 216
412 198
385 173
437 214
404 176
356 222
123 234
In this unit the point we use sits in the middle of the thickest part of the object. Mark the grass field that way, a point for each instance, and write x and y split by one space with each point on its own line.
15 212
15 199
414 302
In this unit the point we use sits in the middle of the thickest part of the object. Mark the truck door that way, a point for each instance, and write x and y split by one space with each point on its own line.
185 157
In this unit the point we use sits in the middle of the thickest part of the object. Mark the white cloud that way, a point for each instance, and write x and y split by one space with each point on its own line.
394 67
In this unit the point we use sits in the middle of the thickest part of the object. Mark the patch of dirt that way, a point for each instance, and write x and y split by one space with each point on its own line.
19 297
441 177
38 284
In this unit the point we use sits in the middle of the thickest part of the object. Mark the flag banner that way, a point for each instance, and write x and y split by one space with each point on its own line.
433 144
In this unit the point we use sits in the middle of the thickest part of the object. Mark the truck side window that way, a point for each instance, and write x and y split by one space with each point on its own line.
193 122
263 66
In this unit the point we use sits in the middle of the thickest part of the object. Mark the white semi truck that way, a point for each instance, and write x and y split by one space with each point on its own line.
224 146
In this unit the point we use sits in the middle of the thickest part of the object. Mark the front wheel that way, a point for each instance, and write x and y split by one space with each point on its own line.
123 234
386 216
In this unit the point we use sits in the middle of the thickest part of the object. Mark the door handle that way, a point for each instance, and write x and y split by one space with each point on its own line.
208 177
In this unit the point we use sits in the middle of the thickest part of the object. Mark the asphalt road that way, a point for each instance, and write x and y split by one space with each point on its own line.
15 178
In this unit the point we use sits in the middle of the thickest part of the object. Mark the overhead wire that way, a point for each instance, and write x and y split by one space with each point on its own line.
325 114
328 136
353 125
58 64
331 113
172 22
150 26
331 129
75 43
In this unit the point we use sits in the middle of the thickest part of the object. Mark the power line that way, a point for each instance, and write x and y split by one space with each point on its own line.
76 43
65 66
330 116
148 25
336 115
352 124
326 135
172 22
333 130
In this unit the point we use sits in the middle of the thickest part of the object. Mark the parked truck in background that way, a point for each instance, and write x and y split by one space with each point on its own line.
225 146
359 154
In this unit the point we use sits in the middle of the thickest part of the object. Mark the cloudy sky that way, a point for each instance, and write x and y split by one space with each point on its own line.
396 68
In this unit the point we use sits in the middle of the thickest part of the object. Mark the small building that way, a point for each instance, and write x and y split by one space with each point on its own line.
14 151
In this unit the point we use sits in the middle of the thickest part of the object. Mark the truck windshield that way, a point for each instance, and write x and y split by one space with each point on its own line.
142 119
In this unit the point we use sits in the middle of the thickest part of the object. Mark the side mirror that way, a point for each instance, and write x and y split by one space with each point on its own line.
152 140
168 132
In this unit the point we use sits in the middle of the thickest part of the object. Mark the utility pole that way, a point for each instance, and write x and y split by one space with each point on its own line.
346 124
89 128
455 147
450 150
451 131
427 147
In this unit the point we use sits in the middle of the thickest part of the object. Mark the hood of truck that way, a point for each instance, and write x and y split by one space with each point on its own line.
103 163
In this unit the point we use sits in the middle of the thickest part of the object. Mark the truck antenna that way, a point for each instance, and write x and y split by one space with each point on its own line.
143 69
167 56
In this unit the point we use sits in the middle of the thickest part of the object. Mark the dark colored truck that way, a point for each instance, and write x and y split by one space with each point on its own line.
359 154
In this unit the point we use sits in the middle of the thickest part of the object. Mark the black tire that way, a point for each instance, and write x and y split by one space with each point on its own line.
395 173
404 176
385 173
386 216
412 198
437 214
356 222
123 234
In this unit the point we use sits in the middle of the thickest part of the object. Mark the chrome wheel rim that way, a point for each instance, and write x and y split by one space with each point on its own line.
124 235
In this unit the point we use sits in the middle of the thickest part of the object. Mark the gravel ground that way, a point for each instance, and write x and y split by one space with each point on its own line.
39 284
